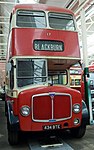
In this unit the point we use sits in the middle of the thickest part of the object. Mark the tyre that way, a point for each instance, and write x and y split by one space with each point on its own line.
13 135
78 132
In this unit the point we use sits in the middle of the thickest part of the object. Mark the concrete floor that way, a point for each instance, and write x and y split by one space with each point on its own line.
36 143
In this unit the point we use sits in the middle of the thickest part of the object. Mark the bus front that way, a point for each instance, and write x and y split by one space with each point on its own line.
43 44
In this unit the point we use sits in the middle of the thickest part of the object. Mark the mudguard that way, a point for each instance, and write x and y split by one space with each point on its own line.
85 114
13 120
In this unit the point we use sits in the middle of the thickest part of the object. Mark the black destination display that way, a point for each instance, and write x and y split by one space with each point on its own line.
45 45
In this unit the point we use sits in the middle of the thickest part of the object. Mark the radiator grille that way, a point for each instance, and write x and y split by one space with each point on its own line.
51 106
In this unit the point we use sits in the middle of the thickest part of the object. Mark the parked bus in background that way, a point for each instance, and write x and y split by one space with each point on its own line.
75 77
42 46
87 91
91 78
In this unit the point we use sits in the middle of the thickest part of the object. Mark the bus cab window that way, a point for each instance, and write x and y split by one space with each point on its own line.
31 71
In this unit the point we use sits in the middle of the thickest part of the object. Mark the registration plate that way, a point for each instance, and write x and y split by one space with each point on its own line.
52 127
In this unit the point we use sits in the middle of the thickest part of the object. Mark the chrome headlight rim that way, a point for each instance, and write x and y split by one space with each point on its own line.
76 108
25 110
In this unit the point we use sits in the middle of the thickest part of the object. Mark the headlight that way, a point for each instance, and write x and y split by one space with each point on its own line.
25 110
76 108
76 121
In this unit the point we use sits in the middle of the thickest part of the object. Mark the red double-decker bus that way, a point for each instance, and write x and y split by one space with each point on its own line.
42 45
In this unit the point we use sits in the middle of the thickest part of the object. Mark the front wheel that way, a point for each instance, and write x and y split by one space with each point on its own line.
78 132
13 135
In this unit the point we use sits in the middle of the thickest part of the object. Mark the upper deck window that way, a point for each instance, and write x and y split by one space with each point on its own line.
61 21
34 19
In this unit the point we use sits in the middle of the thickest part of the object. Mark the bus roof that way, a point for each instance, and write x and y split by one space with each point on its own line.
91 67
42 7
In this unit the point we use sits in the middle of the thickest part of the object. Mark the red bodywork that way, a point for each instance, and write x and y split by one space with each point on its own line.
23 45
41 107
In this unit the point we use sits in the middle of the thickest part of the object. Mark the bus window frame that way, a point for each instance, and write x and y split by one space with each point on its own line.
63 19
11 75
32 15
43 83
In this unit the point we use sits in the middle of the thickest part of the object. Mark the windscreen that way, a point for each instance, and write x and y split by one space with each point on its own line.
91 75
61 21
31 71
28 18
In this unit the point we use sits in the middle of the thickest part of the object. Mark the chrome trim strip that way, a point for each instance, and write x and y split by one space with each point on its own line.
52 108
49 57
48 94
52 98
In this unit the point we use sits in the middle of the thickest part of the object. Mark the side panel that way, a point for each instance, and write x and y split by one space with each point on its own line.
23 42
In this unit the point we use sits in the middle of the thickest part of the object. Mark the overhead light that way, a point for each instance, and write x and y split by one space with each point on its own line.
29 1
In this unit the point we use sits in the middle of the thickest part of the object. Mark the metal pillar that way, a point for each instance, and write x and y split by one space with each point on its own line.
86 69
84 38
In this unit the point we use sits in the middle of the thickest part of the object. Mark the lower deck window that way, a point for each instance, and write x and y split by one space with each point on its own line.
77 81
58 77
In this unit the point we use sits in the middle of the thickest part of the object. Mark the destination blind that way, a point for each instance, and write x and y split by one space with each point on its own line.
44 45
